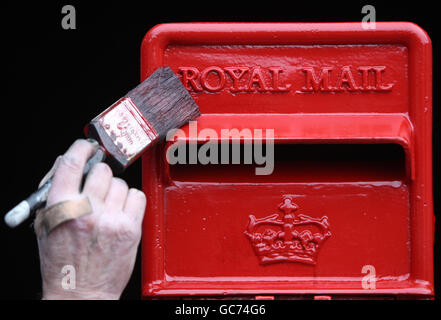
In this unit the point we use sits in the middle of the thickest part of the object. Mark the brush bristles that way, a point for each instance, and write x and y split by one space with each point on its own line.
164 101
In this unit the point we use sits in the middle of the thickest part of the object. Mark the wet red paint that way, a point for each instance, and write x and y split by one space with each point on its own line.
336 87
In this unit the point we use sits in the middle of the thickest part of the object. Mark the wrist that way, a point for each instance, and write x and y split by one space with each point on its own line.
75 294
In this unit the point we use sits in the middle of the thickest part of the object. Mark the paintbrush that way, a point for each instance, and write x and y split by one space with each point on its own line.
126 129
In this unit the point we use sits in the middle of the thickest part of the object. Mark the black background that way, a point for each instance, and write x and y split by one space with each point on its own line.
56 80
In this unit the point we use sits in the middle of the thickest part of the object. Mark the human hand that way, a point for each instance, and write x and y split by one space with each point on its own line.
101 246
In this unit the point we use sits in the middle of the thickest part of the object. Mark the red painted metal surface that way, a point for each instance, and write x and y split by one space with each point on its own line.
351 191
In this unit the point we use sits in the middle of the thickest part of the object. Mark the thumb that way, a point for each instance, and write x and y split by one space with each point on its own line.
50 173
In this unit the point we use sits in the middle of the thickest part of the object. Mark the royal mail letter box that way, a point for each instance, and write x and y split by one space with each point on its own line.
345 208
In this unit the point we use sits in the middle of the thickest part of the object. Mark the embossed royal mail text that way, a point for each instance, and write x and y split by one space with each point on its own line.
277 79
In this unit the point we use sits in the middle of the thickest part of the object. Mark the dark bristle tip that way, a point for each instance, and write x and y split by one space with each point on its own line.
164 101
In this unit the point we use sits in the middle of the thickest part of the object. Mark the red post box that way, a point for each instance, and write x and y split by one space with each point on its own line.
346 210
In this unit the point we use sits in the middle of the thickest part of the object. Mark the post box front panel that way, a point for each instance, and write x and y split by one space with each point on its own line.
349 195
206 237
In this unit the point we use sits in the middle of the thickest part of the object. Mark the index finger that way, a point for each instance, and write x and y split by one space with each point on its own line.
67 178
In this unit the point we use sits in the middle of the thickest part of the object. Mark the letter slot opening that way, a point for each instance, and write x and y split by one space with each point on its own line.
299 163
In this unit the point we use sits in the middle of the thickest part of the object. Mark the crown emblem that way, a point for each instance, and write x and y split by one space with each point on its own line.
287 237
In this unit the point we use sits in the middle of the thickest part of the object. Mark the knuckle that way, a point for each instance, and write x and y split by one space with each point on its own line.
81 144
102 168
83 224
138 195
128 231
70 162
120 182
121 230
